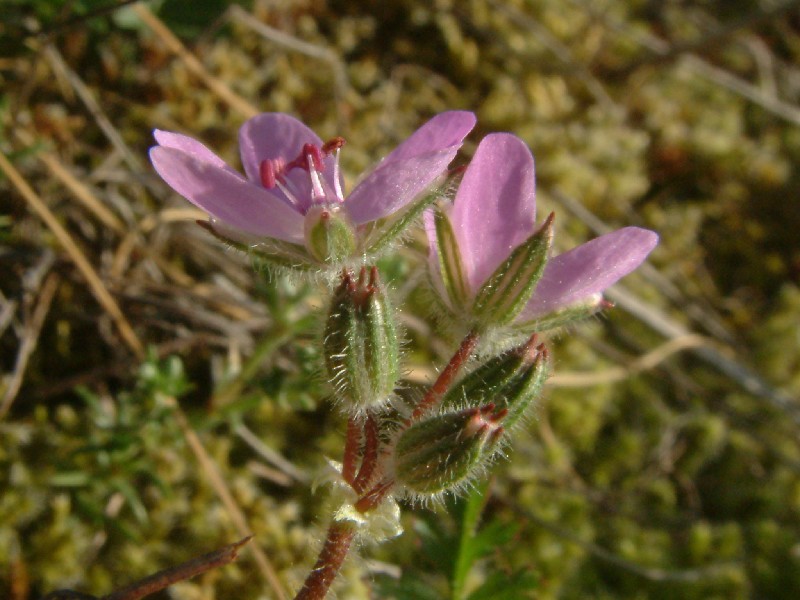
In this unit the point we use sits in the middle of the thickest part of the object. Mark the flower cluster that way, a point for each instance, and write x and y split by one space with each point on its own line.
489 261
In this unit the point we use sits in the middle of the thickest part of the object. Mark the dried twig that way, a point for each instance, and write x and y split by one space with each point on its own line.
163 579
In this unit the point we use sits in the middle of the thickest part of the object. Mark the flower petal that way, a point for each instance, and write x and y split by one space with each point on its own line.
410 168
393 185
589 269
278 136
227 195
168 139
495 206
445 130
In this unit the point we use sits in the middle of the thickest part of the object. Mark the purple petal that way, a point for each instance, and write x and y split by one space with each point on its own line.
443 131
589 269
192 147
227 196
411 168
495 206
279 136
394 184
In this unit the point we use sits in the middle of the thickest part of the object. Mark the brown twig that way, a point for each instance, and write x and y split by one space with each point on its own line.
163 579
167 577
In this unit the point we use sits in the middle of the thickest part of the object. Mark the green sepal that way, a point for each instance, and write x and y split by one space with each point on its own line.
271 252
440 452
395 227
565 315
362 353
329 236
511 380
450 265
503 296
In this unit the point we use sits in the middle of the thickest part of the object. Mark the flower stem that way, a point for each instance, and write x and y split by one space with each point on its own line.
351 446
446 377
330 560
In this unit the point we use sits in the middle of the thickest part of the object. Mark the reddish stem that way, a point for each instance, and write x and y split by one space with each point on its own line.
374 496
351 445
330 560
370 460
446 377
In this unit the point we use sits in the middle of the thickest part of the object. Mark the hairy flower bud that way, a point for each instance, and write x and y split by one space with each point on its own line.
361 349
328 234
440 452
512 381
503 296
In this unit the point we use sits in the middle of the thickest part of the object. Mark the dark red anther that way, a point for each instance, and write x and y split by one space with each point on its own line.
312 154
332 145
269 177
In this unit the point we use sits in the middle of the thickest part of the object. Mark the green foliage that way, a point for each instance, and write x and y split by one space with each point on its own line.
673 483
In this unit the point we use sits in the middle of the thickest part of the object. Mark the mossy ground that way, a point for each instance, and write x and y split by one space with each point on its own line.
672 477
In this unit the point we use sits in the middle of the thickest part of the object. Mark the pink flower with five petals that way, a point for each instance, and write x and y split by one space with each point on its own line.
292 177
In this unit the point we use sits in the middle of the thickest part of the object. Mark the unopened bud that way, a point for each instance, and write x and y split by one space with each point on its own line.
440 452
361 349
328 234
512 381
508 290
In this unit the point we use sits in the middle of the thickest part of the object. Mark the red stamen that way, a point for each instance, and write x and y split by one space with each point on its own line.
269 175
332 145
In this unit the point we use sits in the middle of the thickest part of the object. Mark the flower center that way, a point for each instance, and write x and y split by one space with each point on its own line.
274 173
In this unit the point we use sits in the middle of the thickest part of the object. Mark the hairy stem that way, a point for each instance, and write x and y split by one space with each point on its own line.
330 560
370 460
446 377
351 447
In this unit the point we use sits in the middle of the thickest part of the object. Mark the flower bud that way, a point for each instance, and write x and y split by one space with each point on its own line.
440 452
361 349
503 296
328 234
512 381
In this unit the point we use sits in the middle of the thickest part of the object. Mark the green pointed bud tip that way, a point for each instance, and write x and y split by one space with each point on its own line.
524 389
360 343
503 296
442 452
329 236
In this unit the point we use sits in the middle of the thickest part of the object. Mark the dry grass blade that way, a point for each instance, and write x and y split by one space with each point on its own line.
221 488
644 363
96 285
79 190
29 341
225 93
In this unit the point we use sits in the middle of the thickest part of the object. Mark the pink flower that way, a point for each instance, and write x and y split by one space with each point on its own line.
495 211
293 177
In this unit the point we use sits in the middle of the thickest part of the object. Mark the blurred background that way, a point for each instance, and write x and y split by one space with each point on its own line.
159 397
